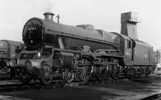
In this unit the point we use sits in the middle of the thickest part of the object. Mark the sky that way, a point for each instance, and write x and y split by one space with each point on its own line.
103 14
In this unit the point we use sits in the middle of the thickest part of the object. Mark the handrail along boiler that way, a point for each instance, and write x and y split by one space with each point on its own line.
80 53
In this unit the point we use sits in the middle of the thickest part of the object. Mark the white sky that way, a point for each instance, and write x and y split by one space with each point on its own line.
103 14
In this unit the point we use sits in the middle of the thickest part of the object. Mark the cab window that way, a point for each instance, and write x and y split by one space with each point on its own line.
129 45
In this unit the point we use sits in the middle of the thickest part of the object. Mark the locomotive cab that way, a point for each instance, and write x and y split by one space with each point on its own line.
129 50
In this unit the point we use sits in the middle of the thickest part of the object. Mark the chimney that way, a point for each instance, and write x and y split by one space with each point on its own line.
129 22
48 16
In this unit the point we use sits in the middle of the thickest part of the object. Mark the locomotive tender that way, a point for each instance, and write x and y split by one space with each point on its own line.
81 53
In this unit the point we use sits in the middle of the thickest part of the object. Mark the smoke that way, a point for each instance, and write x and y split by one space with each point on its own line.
49 6
41 6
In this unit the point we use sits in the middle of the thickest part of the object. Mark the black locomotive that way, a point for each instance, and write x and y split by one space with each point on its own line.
55 51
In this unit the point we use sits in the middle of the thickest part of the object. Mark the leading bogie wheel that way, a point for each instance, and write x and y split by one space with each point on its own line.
23 75
46 76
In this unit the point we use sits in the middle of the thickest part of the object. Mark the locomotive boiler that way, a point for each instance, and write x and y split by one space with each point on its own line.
81 53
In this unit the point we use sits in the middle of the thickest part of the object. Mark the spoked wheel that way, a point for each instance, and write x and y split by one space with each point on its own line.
115 72
84 77
139 73
46 76
94 77
131 73
23 75
68 76
104 75
148 71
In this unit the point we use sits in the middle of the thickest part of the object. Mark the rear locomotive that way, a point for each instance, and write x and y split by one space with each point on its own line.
56 51
8 56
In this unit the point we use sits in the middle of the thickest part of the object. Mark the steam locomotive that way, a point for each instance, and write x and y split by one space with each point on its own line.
55 51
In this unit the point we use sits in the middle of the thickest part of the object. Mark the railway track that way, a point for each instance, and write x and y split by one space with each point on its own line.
14 85
7 86
10 85
127 89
